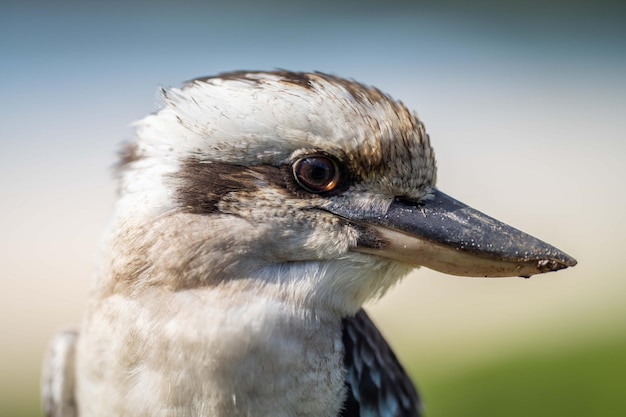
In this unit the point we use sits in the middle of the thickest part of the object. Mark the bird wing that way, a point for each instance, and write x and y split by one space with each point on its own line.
58 376
377 384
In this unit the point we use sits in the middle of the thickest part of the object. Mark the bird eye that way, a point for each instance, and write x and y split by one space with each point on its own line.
316 174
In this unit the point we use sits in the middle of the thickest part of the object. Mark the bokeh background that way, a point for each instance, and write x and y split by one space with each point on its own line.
525 103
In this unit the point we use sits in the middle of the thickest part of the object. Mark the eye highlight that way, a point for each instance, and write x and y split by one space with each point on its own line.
316 173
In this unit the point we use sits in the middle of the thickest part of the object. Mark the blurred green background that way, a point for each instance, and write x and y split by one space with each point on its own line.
525 103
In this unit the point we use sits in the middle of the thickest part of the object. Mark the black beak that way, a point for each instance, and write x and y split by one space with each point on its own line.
444 234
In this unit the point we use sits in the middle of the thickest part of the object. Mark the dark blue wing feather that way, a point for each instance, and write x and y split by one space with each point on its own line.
377 384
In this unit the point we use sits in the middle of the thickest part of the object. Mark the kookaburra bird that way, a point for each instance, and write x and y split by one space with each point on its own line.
257 212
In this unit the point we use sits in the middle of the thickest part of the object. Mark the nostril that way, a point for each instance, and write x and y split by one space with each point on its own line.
407 201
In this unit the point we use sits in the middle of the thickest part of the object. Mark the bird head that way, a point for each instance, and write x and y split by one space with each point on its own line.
320 188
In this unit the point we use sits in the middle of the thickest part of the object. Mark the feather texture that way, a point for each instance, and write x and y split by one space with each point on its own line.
377 384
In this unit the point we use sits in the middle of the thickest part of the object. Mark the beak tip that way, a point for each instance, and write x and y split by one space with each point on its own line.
563 261
549 265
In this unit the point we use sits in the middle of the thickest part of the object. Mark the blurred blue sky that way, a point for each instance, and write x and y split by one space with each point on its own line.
525 103
67 65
